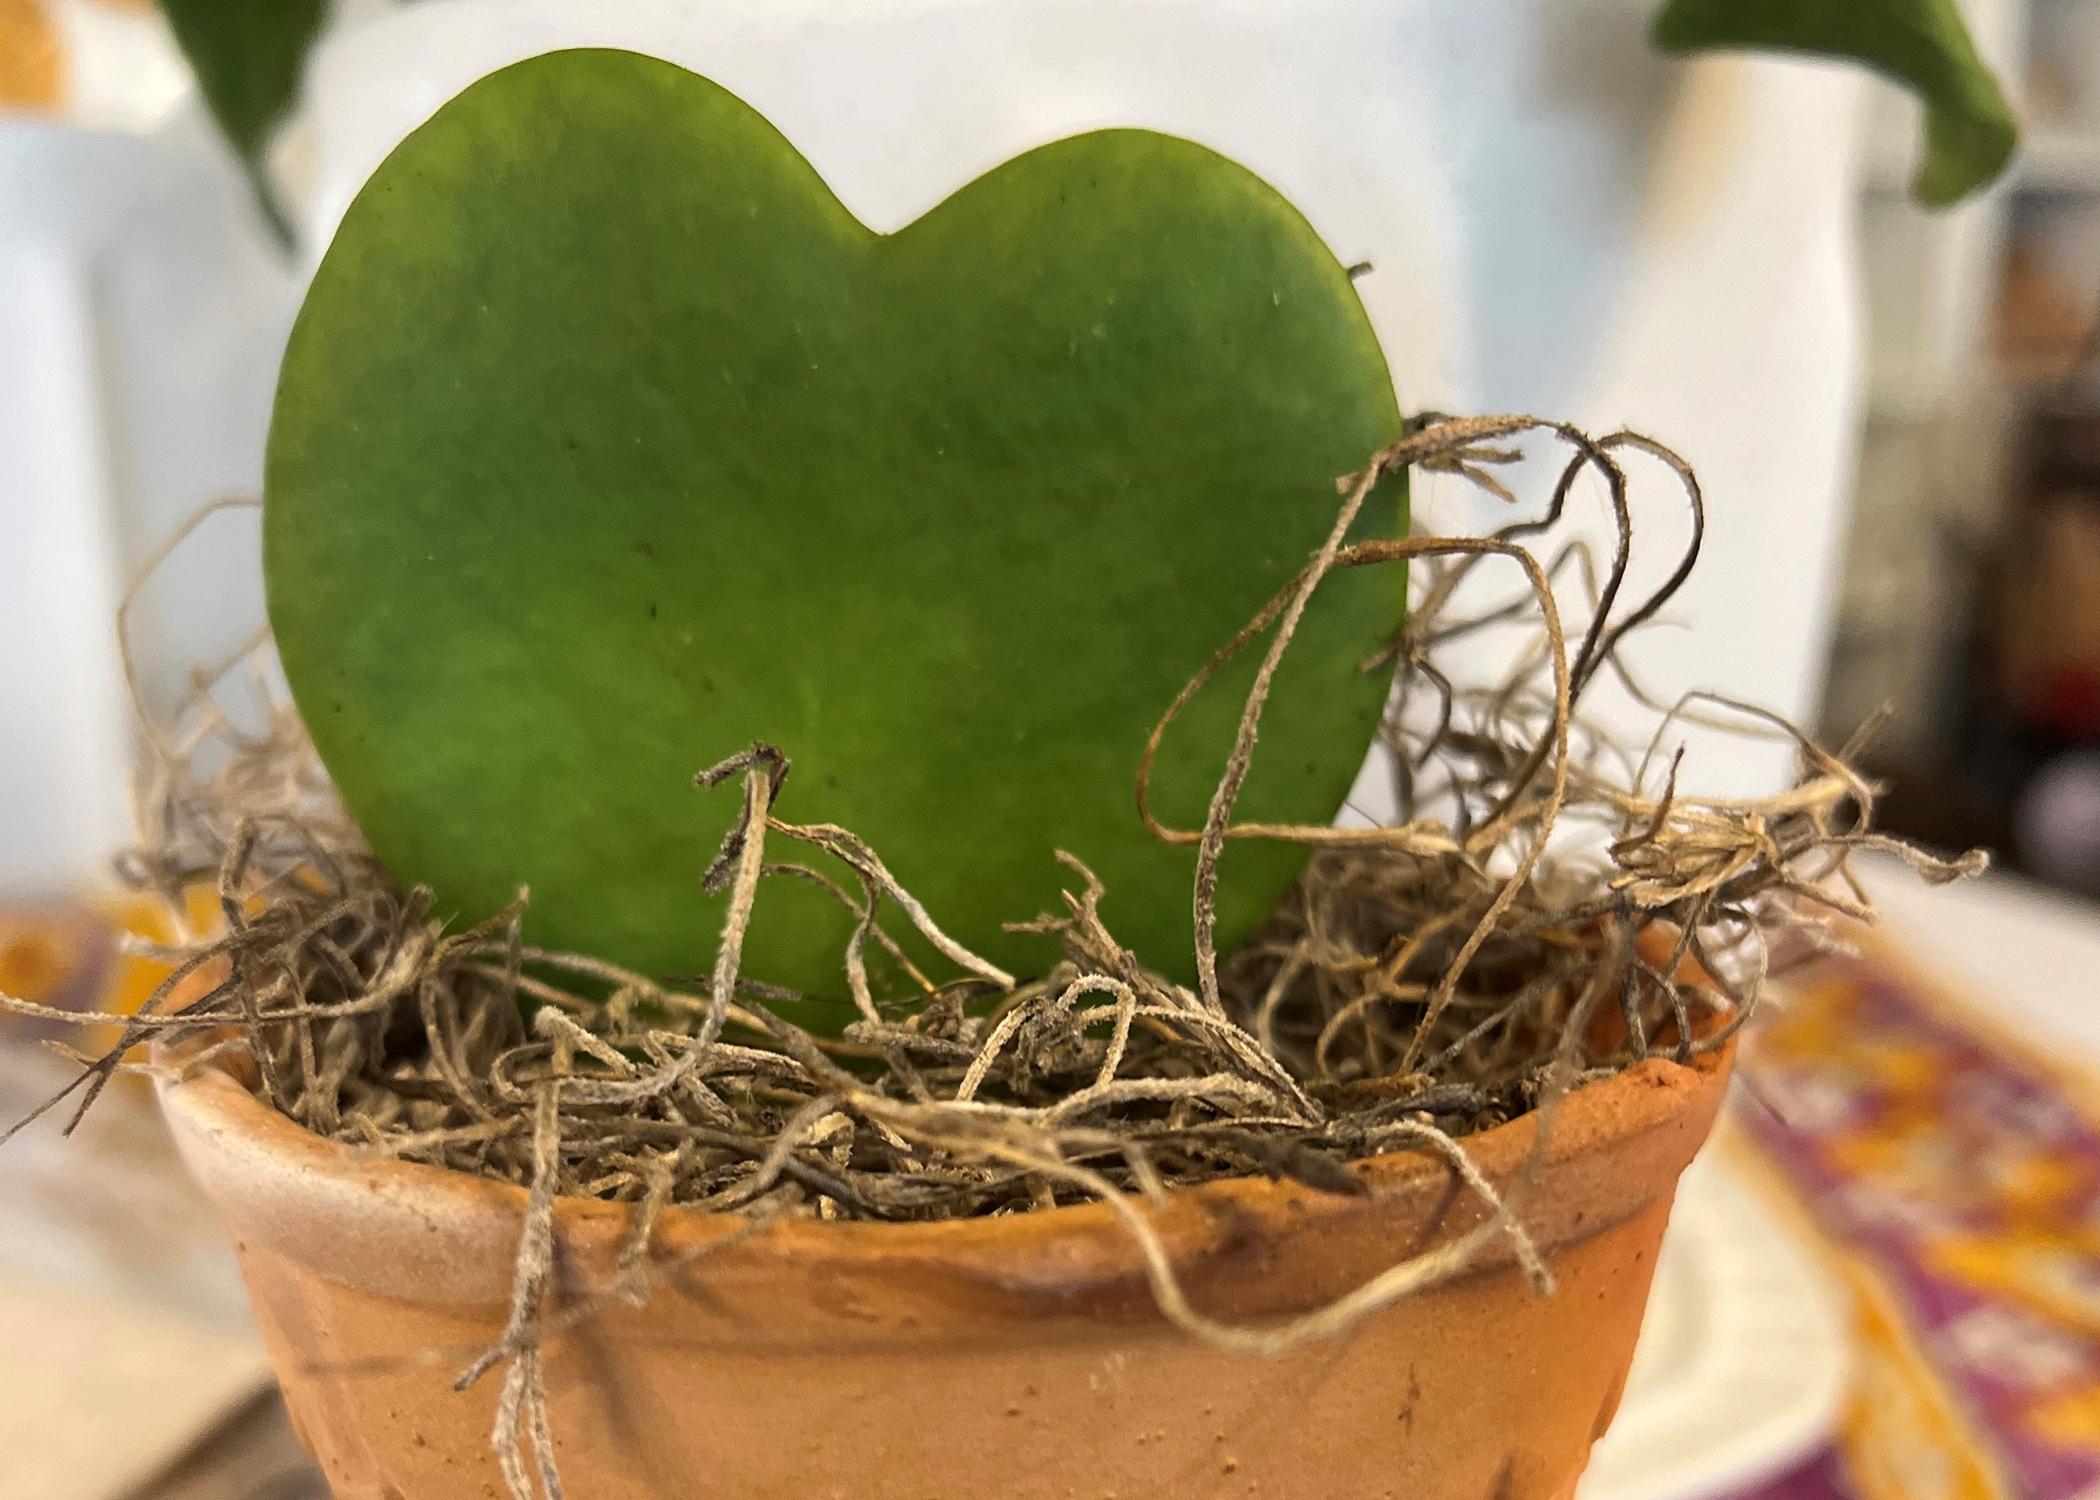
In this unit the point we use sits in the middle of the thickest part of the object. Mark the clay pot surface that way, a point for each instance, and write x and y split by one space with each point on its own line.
1014 1358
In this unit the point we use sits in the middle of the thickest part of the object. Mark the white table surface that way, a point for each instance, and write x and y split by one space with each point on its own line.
2029 953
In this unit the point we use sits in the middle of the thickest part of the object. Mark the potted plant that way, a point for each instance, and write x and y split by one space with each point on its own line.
812 1158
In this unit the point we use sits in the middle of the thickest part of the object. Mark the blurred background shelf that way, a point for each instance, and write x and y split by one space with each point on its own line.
2060 158
1976 513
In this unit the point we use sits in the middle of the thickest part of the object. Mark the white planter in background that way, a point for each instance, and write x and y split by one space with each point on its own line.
140 320
63 749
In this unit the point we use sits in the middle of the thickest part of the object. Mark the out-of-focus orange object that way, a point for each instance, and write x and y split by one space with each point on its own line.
133 978
33 961
53 954
70 956
32 57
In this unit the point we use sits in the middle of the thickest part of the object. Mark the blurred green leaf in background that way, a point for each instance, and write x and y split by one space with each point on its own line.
248 56
1924 45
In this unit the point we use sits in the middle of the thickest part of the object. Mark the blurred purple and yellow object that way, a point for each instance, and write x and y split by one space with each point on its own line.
1949 1170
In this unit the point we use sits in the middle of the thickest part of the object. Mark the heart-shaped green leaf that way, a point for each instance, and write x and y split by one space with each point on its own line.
608 441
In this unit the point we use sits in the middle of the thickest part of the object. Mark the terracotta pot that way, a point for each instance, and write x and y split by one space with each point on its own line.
1017 1358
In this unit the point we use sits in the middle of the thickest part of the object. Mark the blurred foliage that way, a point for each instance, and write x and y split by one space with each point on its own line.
249 57
1969 133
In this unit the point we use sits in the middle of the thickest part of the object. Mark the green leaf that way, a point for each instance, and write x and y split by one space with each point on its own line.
608 441
1969 132
249 56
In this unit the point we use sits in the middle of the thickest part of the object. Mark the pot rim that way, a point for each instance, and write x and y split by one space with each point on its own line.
410 1229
